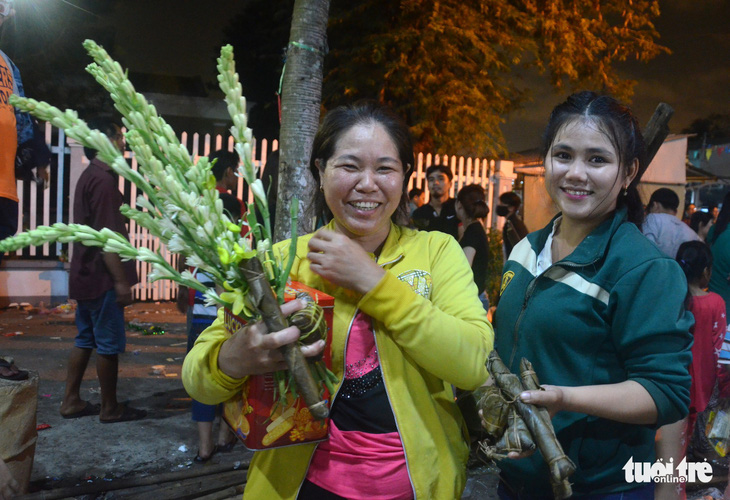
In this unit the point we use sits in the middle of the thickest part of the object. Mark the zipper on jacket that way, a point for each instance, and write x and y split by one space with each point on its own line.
390 403
528 295
332 396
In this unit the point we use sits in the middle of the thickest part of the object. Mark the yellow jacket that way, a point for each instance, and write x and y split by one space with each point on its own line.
431 333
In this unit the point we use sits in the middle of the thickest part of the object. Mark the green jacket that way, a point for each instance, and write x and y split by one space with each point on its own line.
611 311
431 332
720 265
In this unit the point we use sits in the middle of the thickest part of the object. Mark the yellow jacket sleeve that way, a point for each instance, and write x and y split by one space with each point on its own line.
202 378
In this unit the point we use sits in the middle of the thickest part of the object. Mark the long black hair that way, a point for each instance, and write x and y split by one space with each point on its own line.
722 218
341 119
620 127
694 257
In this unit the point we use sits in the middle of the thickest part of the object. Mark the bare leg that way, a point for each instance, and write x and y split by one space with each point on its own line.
77 362
205 439
671 445
107 368
225 436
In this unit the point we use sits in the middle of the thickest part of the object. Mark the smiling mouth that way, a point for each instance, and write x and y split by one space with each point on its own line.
576 192
365 205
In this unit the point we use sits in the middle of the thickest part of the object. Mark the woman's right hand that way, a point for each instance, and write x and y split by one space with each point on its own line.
253 351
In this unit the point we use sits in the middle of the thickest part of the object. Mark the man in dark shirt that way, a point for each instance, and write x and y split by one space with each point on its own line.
224 171
439 214
101 284
514 229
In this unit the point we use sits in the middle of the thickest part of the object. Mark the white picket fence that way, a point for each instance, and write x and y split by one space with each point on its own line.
52 204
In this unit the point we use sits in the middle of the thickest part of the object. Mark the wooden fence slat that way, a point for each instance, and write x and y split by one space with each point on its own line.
206 142
466 171
21 204
60 180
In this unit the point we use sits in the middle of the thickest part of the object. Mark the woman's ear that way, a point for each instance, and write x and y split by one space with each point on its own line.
631 172
320 165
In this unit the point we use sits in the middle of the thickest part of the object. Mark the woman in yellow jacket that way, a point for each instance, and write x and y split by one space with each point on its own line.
407 326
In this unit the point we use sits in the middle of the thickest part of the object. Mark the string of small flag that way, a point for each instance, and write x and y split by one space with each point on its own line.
696 154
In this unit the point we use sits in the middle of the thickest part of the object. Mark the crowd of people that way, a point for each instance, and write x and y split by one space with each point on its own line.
619 306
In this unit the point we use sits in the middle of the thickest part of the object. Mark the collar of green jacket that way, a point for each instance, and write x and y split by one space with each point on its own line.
592 248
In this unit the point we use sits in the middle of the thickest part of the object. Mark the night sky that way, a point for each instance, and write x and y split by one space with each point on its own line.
182 37
694 79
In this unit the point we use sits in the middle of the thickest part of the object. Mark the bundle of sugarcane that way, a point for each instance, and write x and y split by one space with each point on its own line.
515 426
181 207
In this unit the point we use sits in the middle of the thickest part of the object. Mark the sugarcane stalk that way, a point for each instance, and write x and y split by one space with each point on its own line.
531 383
264 299
539 424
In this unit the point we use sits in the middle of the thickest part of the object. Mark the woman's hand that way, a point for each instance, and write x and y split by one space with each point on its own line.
342 261
253 351
551 398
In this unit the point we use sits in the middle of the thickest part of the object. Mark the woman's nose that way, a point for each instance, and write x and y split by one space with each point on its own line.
366 182
576 170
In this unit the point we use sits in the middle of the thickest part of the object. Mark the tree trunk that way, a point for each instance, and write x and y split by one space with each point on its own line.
300 103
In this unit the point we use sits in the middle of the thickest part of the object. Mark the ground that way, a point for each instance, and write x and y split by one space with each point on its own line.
75 450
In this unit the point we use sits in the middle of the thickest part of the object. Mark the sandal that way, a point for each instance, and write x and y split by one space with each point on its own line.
225 448
88 411
11 372
127 415
201 460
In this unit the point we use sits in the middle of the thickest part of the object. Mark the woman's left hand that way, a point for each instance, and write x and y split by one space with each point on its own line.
342 261
552 398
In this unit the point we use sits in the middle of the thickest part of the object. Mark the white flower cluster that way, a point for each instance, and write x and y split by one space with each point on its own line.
179 204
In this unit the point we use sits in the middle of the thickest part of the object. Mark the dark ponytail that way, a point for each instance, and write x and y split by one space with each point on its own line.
473 201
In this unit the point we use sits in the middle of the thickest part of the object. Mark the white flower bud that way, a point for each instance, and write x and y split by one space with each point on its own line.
259 193
194 261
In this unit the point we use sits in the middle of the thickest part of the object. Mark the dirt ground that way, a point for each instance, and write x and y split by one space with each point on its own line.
74 451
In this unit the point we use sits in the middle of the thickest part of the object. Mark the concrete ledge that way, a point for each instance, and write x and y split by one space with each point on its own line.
33 281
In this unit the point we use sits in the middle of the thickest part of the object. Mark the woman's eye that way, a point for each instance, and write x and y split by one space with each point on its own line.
599 159
561 155
385 169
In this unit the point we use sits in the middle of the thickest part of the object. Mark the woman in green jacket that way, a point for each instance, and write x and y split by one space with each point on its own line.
596 309
408 325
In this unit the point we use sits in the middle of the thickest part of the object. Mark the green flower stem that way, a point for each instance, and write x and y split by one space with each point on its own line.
284 276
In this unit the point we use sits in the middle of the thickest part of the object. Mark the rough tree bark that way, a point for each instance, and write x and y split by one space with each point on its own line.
300 105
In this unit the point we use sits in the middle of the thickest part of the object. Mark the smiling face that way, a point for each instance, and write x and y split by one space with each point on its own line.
363 183
583 174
